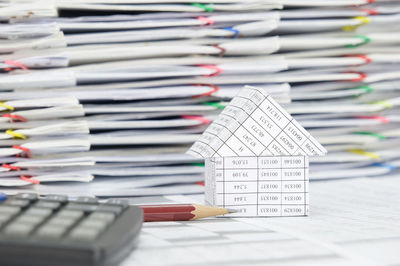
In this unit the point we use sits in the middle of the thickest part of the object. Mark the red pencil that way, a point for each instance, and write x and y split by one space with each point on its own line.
180 212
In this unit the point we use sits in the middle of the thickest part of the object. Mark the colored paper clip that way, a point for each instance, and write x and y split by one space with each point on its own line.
201 183
365 153
377 135
223 50
217 105
384 103
209 21
363 37
235 31
15 118
382 119
361 78
30 179
11 167
209 93
206 7
362 21
15 135
217 69
366 59
26 151
3 196
199 118
370 11
6 106
366 88
16 64
385 165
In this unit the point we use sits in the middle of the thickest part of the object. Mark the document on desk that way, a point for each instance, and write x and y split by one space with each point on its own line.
253 124
351 223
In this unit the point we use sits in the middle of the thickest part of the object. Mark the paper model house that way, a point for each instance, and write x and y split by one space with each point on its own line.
256 158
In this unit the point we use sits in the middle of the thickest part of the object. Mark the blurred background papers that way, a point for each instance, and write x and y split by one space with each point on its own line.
105 97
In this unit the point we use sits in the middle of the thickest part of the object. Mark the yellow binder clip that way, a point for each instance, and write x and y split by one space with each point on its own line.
362 21
15 135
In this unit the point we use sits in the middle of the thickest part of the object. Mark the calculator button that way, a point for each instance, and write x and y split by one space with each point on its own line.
51 231
84 234
4 218
17 202
47 204
104 216
71 214
95 224
29 219
59 198
110 208
26 196
62 221
11 210
19 229
121 202
82 207
38 212
87 200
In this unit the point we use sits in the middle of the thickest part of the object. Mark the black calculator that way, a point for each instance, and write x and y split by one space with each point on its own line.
58 231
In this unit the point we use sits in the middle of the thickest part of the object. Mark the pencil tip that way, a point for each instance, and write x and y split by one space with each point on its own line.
232 210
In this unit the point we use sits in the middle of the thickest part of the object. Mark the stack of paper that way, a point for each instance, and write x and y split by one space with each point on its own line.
119 90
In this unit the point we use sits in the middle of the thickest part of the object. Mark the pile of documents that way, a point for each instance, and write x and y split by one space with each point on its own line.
105 97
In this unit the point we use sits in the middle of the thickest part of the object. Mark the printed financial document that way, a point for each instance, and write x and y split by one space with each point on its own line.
352 222
256 158
259 186
254 124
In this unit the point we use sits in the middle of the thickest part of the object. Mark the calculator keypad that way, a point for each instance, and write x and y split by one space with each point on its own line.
79 232
54 217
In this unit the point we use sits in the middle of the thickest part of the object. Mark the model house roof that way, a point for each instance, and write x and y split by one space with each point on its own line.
254 124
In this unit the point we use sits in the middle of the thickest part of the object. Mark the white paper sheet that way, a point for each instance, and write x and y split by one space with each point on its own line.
259 186
351 223
253 124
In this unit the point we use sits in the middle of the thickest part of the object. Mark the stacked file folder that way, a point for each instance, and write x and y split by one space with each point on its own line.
105 97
